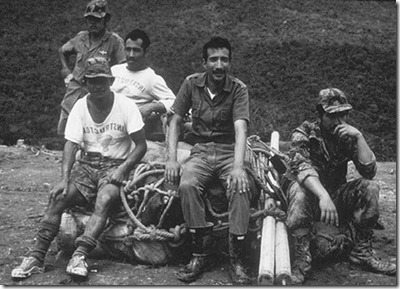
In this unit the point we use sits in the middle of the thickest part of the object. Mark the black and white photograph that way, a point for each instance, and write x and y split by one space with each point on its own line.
198 143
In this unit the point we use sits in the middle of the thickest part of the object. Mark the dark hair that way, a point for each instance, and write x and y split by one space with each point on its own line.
136 34
217 42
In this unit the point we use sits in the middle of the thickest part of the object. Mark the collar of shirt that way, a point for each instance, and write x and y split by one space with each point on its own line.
104 38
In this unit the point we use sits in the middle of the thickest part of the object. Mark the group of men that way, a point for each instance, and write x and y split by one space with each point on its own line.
111 99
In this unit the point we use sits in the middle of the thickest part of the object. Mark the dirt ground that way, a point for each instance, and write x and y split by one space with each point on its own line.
25 179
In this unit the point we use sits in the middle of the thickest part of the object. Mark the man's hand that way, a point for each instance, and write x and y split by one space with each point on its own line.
68 79
172 172
60 188
329 214
237 181
119 176
345 129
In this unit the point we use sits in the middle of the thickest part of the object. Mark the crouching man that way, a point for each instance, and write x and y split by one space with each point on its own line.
318 158
107 125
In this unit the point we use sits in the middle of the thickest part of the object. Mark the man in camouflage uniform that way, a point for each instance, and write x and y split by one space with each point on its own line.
94 42
319 156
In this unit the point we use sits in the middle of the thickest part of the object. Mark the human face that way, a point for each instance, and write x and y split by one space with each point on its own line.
95 25
329 121
134 54
217 64
99 87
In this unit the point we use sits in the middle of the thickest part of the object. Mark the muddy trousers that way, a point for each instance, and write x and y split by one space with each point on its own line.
45 235
84 245
206 162
356 202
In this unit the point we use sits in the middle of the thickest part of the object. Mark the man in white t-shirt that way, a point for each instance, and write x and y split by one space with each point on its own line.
139 82
110 129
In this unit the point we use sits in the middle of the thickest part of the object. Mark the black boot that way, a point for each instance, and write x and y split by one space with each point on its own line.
202 245
302 256
363 254
236 269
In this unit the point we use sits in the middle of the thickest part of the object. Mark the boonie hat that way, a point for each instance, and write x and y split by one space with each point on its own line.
97 67
333 100
96 8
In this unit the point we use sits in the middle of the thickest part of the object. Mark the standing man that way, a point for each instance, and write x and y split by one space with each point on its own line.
108 125
220 115
318 158
139 82
97 41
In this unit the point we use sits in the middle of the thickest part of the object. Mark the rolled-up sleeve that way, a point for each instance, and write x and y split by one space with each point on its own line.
366 170
241 104
299 155
183 102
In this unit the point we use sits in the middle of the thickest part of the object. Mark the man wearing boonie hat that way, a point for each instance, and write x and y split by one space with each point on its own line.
319 155
105 124
97 41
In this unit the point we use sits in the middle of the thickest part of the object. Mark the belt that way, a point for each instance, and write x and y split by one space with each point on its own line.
92 154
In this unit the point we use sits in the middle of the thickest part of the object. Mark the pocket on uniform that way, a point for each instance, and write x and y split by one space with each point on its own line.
196 109
224 115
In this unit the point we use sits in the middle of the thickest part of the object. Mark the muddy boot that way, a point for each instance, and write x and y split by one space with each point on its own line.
202 245
302 256
236 269
363 255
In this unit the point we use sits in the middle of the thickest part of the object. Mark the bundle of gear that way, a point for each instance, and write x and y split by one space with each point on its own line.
148 227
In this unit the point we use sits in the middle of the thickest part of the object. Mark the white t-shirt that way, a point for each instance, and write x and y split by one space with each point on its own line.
111 137
143 86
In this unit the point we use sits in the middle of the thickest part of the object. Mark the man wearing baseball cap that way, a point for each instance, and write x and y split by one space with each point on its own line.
96 41
109 128
319 156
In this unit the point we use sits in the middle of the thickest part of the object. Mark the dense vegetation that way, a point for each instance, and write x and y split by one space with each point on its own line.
284 50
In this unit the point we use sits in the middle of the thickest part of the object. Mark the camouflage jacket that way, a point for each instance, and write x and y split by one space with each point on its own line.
311 155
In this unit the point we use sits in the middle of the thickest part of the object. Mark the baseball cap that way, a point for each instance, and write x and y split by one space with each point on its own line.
96 8
333 100
97 67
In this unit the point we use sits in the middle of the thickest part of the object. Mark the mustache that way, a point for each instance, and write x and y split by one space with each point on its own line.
219 71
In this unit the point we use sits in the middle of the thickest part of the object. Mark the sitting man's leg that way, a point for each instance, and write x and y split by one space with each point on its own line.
195 177
357 202
107 196
48 230
299 220
239 216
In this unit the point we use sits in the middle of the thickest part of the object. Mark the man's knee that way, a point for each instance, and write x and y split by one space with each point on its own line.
58 202
371 187
300 207
188 187
105 198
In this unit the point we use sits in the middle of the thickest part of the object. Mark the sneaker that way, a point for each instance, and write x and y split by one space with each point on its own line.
29 266
77 266
368 260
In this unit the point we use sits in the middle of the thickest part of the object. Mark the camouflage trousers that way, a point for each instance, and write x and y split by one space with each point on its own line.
357 207
356 201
